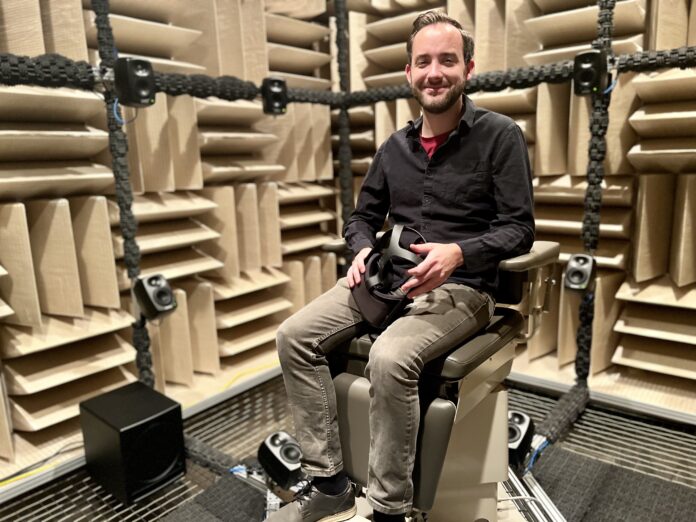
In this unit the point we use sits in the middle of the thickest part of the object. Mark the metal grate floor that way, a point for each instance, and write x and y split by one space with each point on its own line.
76 497
628 441
238 425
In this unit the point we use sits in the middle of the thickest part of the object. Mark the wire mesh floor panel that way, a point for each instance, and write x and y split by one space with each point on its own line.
76 497
236 427
239 425
647 446
589 490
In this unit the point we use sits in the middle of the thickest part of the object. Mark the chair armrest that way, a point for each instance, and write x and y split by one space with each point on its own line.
541 254
338 246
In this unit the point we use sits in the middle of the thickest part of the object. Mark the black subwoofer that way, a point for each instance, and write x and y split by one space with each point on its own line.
134 440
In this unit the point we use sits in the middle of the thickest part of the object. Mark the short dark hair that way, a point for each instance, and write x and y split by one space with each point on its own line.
438 17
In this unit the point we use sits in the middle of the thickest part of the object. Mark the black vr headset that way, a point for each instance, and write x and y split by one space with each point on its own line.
379 296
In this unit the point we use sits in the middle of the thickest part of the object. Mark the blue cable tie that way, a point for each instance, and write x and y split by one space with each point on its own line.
535 455
115 111
611 87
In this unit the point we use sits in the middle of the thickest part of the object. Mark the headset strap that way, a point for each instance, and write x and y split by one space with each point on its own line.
394 249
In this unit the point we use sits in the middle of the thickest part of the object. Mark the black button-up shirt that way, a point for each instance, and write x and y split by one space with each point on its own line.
475 191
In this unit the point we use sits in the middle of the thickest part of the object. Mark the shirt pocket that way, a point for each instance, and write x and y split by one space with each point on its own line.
466 181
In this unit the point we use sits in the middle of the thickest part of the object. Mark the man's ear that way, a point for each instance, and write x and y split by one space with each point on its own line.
408 72
470 69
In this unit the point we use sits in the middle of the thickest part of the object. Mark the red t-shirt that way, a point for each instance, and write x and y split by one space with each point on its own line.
431 144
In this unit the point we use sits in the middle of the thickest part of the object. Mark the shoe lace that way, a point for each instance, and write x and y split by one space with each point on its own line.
305 493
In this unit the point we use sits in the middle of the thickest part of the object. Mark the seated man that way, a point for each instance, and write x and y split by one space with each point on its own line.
460 175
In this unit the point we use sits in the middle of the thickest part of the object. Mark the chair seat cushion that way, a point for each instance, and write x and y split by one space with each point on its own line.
503 327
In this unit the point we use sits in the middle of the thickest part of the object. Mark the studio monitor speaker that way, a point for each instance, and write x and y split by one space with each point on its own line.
274 93
134 440
580 272
520 435
154 295
134 80
280 455
590 72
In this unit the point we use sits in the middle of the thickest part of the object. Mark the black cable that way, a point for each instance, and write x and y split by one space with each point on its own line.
345 154
230 88
572 404
332 99
118 146
201 86
46 70
681 57
345 171
52 70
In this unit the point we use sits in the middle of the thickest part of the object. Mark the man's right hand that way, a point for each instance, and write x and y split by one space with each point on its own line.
357 267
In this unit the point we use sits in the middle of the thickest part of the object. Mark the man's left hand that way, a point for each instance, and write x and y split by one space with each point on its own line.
440 261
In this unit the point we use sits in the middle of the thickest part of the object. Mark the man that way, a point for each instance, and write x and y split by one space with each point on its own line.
461 176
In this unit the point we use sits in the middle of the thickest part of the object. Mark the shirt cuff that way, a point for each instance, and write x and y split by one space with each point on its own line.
473 251
359 244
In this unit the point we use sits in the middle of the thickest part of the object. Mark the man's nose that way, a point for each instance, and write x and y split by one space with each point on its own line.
435 71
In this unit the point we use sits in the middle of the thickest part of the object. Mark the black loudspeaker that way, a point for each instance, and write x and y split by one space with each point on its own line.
135 82
134 440
154 296
275 95
520 435
590 72
580 272
280 456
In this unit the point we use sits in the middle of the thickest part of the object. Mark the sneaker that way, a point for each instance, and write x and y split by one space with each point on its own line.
311 505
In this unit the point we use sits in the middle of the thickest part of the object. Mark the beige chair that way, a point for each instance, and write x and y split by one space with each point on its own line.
462 443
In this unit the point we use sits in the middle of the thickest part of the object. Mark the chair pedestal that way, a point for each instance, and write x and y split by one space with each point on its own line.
476 462
462 449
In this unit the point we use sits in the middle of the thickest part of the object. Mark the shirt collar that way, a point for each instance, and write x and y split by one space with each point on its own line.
467 118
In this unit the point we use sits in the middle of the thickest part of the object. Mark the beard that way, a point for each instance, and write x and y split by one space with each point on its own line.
440 105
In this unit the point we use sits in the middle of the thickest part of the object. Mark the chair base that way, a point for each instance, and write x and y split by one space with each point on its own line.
476 462
462 452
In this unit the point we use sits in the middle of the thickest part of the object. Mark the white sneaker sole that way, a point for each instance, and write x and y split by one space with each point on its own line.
342 516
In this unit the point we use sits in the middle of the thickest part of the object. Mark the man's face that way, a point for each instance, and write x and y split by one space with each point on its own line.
437 73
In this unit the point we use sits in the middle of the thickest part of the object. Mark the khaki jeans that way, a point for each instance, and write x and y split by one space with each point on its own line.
435 323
